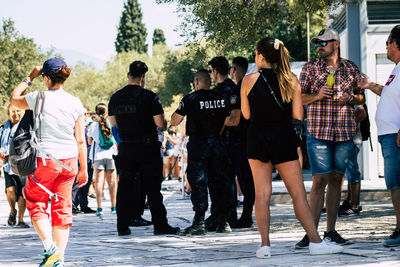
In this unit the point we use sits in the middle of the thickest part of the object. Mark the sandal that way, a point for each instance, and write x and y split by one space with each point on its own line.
11 219
22 225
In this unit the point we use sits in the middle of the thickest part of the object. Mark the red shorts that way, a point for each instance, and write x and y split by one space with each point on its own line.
58 180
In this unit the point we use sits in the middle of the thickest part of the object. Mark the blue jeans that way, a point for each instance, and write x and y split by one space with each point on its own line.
328 156
352 171
391 156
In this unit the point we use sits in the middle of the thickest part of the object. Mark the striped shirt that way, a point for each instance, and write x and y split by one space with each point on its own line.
327 119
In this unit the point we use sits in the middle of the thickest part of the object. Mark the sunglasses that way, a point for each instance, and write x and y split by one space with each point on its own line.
322 44
210 71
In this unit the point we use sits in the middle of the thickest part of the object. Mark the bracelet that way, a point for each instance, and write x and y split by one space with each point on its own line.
27 81
351 100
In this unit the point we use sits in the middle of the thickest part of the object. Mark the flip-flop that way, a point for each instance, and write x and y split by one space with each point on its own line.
12 220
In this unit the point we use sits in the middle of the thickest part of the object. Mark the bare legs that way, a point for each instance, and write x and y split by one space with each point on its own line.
109 176
292 177
320 181
12 200
60 233
262 175
396 205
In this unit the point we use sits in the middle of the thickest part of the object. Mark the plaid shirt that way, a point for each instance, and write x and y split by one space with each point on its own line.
327 119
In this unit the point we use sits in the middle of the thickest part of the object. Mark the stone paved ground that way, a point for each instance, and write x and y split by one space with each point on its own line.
94 242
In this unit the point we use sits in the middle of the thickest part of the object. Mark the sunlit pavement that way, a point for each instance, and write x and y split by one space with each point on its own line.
94 241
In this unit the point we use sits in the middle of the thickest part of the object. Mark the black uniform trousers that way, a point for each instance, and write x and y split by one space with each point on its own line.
238 167
242 171
207 167
140 166
80 195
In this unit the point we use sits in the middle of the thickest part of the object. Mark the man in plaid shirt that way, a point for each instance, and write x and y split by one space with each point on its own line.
331 125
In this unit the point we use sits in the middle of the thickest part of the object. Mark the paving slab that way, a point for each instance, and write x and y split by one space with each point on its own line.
94 241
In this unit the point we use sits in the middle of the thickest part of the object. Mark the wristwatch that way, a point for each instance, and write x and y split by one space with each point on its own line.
27 81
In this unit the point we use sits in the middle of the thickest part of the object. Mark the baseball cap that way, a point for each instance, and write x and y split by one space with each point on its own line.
326 35
53 64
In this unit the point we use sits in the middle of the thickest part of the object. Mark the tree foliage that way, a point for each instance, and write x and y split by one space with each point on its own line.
131 31
18 56
238 25
158 37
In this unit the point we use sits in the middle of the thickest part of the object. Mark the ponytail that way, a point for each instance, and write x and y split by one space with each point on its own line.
275 52
284 74
101 111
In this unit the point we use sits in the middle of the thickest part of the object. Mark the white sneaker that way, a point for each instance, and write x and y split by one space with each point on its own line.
325 247
263 252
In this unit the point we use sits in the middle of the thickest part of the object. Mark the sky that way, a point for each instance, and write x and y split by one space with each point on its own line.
85 26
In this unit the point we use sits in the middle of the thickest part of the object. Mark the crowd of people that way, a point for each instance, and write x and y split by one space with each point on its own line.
242 129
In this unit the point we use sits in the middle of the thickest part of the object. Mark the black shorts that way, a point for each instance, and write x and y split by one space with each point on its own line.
277 144
14 180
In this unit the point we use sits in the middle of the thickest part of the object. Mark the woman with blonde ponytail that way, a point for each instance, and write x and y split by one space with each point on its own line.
270 99
101 154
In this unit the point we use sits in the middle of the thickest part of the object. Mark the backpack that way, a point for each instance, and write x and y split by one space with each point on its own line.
24 147
104 142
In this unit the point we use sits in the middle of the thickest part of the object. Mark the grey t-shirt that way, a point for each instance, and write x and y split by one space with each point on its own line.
60 113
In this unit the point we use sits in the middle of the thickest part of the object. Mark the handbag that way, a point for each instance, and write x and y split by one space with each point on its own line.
297 125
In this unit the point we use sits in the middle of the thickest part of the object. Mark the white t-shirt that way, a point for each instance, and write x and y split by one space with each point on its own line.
387 115
60 113
99 153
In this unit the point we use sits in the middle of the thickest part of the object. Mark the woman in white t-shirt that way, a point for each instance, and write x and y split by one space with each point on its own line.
62 134
101 155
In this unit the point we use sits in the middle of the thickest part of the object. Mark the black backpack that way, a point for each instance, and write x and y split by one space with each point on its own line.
23 147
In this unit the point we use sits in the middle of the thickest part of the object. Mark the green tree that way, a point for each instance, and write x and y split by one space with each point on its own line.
18 56
158 37
238 25
131 31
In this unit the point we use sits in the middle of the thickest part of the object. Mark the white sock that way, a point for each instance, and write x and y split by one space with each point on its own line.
47 243
240 198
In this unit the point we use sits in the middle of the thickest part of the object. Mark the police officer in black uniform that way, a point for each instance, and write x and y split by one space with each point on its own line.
137 113
226 87
238 149
206 112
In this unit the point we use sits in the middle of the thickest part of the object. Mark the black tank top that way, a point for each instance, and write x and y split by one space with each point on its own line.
264 110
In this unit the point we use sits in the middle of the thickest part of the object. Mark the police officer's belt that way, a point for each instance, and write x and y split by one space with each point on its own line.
141 140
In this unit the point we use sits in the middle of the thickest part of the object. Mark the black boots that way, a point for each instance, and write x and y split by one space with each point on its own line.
197 228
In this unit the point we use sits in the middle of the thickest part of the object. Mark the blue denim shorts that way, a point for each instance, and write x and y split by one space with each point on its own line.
352 171
391 156
328 156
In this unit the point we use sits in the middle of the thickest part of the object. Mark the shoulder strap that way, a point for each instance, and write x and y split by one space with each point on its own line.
273 95
38 113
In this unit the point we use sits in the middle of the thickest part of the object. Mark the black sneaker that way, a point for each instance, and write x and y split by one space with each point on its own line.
139 222
334 236
350 211
223 228
195 229
88 210
303 243
166 230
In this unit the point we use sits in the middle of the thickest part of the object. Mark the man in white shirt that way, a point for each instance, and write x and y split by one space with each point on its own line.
388 123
